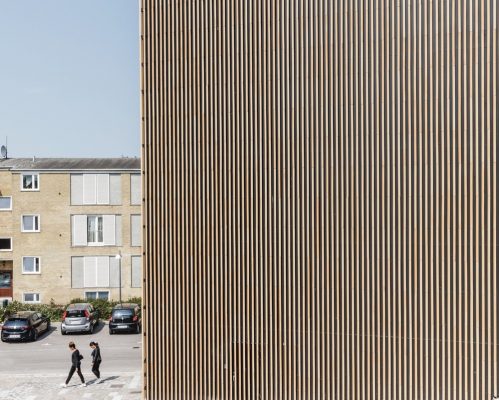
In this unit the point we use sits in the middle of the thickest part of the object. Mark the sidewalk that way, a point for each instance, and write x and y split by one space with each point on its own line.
120 386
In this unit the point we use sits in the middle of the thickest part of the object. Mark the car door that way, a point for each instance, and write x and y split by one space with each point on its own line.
35 322
95 314
91 314
43 322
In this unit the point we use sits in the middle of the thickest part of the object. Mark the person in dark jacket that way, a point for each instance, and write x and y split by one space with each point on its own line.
76 358
96 360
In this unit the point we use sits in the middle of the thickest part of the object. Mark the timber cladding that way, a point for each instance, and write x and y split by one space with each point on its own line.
320 210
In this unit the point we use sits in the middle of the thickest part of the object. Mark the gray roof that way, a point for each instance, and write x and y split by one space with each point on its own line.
64 164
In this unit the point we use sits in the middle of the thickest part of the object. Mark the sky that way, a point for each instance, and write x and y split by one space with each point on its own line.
69 78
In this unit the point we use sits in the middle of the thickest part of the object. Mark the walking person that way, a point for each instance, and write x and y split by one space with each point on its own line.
76 358
96 360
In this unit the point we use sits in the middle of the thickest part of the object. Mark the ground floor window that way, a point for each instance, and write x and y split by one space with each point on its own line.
31 297
5 279
97 295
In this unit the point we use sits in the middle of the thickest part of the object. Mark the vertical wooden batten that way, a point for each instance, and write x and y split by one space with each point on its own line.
320 199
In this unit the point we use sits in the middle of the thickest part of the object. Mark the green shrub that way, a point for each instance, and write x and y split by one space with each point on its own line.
51 310
105 306
54 311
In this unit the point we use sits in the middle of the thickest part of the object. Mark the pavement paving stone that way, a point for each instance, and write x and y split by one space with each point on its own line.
120 386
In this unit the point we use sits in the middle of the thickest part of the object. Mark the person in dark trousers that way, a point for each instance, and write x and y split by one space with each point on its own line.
76 358
96 360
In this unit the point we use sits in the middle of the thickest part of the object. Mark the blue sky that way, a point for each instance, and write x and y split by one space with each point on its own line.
69 78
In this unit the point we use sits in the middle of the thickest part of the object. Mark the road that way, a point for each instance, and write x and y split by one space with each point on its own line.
34 370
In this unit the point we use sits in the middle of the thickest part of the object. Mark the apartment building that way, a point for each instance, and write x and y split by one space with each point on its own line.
70 228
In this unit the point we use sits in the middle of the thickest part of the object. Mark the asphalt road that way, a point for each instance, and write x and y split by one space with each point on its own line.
35 369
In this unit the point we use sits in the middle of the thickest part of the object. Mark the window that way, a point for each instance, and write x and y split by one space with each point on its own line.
95 233
96 230
136 271
135 189
31 297
136 233
30 182
93 189
95 272
5 280
31 265
5 244
31 223
5 203
96 295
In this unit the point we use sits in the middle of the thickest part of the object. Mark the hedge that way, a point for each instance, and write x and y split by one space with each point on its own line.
54 311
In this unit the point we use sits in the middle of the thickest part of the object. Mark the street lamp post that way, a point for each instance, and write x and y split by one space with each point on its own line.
118 257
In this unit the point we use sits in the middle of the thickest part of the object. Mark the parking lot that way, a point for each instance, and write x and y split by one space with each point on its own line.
35 370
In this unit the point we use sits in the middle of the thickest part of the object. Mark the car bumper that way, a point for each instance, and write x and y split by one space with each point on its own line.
76 328
122 326
15 337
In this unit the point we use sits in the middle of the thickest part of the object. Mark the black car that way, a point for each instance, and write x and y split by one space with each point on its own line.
24 325
125 318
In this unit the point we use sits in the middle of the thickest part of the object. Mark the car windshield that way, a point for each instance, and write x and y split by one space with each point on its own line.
75 313
16 322
122 313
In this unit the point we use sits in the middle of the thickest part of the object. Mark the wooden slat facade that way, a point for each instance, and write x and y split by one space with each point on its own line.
320 199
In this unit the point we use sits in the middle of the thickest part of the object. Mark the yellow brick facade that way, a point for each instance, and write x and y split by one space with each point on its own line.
53 244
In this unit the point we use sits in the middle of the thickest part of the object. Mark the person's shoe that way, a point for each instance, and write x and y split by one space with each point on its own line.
63 385
83 384
98 380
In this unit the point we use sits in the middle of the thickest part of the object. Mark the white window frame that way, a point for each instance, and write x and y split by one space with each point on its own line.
97 224
35 294
37 189
96 293
30 215
11 243
7 209
39 266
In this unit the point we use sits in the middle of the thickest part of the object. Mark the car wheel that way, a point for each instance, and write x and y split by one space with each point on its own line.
34 336
137 329
63 332
48 327
111 332
91 329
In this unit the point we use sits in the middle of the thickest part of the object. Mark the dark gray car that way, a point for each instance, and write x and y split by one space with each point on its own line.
79 317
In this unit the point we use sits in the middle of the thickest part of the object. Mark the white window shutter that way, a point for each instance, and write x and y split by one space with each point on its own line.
135 189
136 271
90 272
136 230
89 189
79 230
118 237
109 230
77 272
76 189
115 189
102 189
102 271
114 272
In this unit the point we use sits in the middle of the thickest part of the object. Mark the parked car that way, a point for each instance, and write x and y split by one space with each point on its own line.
79 317
125 317
24 325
